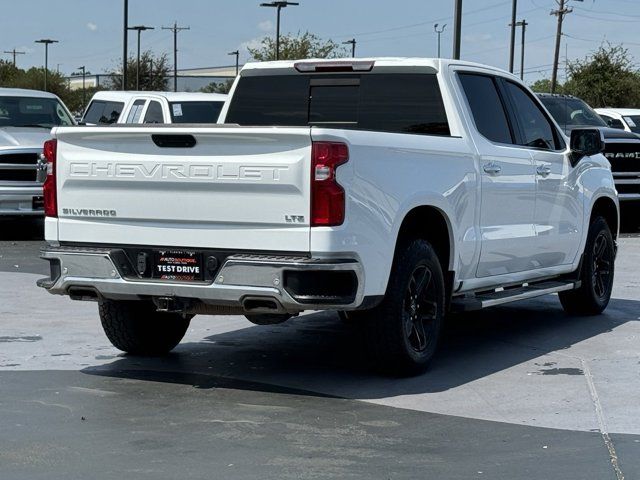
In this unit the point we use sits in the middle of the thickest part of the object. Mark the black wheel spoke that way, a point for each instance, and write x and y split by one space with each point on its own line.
419 309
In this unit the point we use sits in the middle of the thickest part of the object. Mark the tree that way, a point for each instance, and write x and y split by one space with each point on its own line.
606 78
218 87
544 86
154 73
295 47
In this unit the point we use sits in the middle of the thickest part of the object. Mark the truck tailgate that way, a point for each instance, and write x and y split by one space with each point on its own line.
237 188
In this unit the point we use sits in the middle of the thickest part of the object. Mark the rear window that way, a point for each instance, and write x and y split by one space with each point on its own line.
195 112
398 103
101 112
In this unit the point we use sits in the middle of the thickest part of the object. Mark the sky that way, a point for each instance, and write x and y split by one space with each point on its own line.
90 31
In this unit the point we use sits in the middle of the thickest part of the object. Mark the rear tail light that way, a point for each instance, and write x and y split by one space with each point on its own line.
49 188
327 196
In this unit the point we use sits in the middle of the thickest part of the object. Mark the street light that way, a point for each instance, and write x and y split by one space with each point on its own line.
237 54
439 32
351 42
279 5
139 28
84 90
125 44
46 42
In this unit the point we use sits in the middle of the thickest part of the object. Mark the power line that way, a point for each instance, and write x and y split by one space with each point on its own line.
14 52
175 29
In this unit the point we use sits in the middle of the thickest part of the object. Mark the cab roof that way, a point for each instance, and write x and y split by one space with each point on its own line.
24 92
123 96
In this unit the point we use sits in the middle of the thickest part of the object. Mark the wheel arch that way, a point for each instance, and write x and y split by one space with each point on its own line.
607 208
429 223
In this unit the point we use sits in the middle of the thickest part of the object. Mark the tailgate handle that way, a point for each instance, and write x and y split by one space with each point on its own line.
174 141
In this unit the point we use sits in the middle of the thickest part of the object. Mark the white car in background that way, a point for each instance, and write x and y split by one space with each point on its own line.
623 118
26 119
107 107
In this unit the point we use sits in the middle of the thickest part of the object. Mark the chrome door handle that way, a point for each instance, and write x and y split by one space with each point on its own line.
543 170
492 168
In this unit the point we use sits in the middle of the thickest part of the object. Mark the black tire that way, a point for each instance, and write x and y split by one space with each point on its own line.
137 328
402 332
597 273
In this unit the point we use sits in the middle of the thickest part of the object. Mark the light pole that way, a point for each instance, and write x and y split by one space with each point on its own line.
237 54
512 44
457 29
84 90
279 5
439 32
125 30
46 42
522 24
351 42
139 28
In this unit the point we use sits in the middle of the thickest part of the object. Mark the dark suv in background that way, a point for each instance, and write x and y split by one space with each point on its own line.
622 148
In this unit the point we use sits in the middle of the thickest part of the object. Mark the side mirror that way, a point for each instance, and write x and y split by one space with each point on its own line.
584 143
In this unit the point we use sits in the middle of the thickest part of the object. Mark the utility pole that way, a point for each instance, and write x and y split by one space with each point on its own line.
457 29
279 5
439 32
561 12
139 28
237 54
175 29
46 42
512 45
125 46
14 52
351 42
84 86
522 24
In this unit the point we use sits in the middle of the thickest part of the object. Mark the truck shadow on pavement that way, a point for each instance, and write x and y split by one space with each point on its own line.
317 354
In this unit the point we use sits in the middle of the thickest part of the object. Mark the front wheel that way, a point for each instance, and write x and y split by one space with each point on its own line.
403 331
136 327
597 273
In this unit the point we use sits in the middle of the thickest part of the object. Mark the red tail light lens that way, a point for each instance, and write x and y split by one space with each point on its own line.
327 196
49 188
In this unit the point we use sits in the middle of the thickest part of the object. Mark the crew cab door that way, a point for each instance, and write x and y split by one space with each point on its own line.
507 232
558 211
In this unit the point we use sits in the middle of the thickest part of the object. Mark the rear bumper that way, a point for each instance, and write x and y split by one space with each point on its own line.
20 200
244 282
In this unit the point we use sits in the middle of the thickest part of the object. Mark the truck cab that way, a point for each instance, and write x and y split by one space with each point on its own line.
109 107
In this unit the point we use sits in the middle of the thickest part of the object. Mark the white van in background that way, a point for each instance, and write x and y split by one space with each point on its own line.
107 107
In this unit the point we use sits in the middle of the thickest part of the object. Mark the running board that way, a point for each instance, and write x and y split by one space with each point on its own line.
508 295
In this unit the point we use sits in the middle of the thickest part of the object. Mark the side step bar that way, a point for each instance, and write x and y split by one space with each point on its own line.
482 300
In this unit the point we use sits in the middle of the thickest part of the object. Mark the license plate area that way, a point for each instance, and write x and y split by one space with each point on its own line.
177 265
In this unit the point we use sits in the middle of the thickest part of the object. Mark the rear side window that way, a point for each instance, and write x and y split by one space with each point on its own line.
398 103
101 112
535 128
486 107
195 112
154 113
136 111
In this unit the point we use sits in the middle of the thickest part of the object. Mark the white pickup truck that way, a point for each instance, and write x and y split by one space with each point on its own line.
108 107
393 190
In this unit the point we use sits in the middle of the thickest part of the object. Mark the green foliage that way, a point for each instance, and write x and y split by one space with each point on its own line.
295 47
154 73
606 78
218 87
544 86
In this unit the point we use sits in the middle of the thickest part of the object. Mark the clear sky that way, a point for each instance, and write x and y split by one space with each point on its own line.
90 31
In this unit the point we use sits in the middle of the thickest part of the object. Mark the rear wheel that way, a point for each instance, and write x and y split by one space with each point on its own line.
136 327
403 331
597 273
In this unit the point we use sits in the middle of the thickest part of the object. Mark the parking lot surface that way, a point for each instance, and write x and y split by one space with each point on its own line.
521 391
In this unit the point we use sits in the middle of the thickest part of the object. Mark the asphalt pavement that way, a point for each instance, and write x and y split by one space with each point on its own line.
517 392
